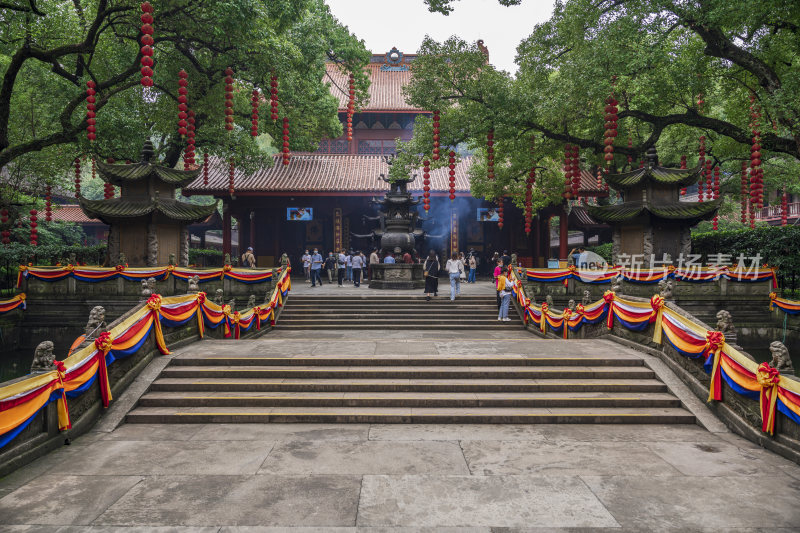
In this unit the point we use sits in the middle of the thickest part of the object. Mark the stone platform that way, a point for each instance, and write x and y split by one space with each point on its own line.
397 276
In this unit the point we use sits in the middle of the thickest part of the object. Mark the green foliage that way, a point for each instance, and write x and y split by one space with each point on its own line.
664 54
603 250
205 257
779 246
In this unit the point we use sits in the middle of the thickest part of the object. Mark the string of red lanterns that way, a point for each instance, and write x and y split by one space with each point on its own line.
567 194
756 170
426 185
77 177
254 117
6 233
716 196
183 106
452 173
273 97
709 183
231 171
48 204
436 135
147 45
91 130
229 99
611 120
683 167
205 168
189 158
490 154
576 171
286 154
34 229
108 188
500 213
630 147
745 194
351 106
784 208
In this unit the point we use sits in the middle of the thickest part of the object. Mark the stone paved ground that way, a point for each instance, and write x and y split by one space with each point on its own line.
404 478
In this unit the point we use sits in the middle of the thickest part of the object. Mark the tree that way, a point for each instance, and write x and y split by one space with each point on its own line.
50 49
664 54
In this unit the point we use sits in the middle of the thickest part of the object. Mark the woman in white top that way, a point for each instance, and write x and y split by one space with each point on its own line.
454 268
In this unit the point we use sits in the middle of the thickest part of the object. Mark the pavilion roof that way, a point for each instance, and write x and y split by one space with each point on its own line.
385 89
671 211
115 209
72 213
122 174
329 173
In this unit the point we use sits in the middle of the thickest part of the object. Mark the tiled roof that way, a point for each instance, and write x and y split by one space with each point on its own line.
385 89
689 211
326 173
121 174
72 213
119 208
665 176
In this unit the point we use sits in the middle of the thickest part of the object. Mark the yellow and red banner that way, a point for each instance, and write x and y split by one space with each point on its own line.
95 274
18 301
790 307
649 276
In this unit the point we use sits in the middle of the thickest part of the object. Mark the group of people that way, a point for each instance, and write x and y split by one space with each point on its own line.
348 266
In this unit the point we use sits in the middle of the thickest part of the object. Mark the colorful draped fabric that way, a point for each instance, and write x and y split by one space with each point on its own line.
22 400
790 307
18 301
699 274
95 274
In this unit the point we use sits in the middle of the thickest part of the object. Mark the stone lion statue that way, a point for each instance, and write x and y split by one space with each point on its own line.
665 289
780 357
616 284
251 302
725 322
219 297
194 284
232 305
97 320
571 305
587 297
549 300
146 292
43 357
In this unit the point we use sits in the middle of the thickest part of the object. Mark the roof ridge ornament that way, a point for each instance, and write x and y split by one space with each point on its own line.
147 150
652 157
394 61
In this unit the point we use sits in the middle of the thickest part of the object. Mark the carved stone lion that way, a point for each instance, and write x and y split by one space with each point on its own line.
219 296
251 302
97 320
549 300
780 357
571 305
232 305
146 292
194 284
43 357
665 289
616 284
725 322
587 297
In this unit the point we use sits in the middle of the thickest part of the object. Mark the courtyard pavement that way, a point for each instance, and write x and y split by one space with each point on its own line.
405 478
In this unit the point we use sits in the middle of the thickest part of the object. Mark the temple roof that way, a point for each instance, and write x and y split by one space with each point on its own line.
120 208
329 173
671 211
124 174
385 89
676 177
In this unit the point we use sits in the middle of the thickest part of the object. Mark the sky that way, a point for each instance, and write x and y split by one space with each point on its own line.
383 24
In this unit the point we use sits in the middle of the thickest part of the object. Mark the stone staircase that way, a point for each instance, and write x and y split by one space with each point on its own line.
376 311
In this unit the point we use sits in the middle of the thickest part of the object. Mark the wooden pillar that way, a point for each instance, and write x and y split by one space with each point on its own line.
563 234
226 228
253 230
537 241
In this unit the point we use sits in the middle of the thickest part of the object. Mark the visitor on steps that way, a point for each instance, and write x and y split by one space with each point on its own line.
349 259
454 268
248 258
307 266
504 286
358 263
506 259
498 271
330 266
341 263
316 268
389 259
373 260
464 268
285 262
473 267
431 273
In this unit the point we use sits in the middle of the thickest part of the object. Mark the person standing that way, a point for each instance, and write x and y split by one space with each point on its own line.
407 258
498 271
389 259
341 264
316 267
285 263
357 264
503 287
453 268
431 273
307 266
506 259
249 258
349 259
473 267
330 266
373 260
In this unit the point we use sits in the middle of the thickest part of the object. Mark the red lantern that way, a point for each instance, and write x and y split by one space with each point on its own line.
34 231
6 233
90 111
500 213
452 173
784 208
611 118
683 166
254 102
426 185
576 172
490 154
48 204
286 140
273 97
147 42
231 171
77 177
567 194
188 156
108 188
229 99
205 168
756 170
351 105
436 135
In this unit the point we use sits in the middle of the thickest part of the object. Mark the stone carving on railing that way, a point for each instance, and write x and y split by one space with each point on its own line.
571 305
587 297
616 284
780 358
665 289
726 327
43 357
219 297
194 284
148 288
97 321
251 302
232 305
549 300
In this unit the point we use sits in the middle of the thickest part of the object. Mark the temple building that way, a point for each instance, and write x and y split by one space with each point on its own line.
319 199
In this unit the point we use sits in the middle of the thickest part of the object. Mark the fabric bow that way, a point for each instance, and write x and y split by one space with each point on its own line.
225 270
154 304
543 323
769 378
657 304
201 299
120 268
64 421
715 340
772 297
567 314
104 342
608 298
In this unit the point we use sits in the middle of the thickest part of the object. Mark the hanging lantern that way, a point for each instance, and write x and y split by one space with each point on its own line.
611 119
108 188
90 111
426 185
183 105
490 154
683 167
351 106
147 45
77 177
702 161
205 168
784 208
567 194
436 135
48 204
756 169
576 171
744 192
500 213
34 230
231 172
188 156
452 173
229 99
254 117
273 97
6 233
285 140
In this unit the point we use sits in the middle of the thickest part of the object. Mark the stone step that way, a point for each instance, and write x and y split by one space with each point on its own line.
405 415
251 384
390 399
385 360
411 372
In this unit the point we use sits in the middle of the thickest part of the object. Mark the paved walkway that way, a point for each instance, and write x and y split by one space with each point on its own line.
299 286
404 478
